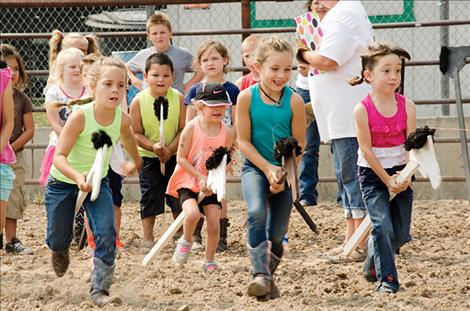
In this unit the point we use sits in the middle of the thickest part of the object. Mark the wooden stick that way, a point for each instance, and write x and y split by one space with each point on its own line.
163 241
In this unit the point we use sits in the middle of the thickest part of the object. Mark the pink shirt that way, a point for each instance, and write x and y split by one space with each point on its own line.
202 147
387 131
7 156
247 81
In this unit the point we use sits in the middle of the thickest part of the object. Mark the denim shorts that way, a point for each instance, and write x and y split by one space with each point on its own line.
186 194
6 181
153 187
115 183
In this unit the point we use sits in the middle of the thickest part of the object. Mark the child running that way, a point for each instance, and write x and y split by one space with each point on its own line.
267 112
212 59
248 52
200 137
23 131
7 155
383 121
159 72
74 157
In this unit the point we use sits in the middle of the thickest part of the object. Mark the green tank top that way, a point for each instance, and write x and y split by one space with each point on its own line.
82 155
269 123
150 123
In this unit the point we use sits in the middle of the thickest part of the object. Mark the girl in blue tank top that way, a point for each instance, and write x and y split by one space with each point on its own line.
74 156
267 112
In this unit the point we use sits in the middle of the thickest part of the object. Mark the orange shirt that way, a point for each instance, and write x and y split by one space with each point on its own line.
202 147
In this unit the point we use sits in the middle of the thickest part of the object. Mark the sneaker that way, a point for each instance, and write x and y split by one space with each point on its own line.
356 255
146 246
335 251
210 266
197 244
306 204
183 248
15 247
285 239
385 288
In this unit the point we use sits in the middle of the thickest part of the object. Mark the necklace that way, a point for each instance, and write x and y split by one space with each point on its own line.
277 103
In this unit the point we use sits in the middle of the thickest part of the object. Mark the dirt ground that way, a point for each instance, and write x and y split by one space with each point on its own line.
433 269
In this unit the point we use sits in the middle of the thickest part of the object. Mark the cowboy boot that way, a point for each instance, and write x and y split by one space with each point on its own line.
274 263
260 286
224 224
101 280
60 262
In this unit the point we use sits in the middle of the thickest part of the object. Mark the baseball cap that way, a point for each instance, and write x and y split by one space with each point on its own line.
212 94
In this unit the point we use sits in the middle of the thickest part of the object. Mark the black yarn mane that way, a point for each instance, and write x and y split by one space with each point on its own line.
161 101
216 157
100 138
284 148
444 59
3 64
418 138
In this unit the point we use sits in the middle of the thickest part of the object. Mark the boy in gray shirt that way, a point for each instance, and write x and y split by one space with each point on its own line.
159 32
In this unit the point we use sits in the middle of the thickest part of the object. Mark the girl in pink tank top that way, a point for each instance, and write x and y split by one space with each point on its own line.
383 121
7 156
200 137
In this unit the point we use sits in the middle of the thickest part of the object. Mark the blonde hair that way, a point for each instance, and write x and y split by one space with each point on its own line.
8 51
271 44
209 46
374 52
251 40
105 61
56 72
59 42
89 59
158 19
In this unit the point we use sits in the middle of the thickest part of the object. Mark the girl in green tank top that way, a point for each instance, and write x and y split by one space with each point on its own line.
74 156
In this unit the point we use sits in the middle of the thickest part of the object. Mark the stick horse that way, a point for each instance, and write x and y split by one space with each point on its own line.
216 166
423 159
101 142
160 108
285 151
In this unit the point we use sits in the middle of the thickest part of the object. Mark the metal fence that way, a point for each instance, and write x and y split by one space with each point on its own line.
422 82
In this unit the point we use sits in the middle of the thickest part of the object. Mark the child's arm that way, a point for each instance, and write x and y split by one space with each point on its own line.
54 119
197 76
182 156
28 133
243 125
365 144
172 147
298 124
129 143
72 128
136 82
8 115
137 128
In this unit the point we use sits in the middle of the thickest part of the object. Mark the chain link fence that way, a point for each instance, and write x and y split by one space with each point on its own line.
422 82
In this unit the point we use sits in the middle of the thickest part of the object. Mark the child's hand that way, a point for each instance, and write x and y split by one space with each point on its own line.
396 187
276 188
82 184
128 167
202 183
275 174
136 82
303 68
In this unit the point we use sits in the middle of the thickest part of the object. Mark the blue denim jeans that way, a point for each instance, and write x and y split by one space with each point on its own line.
268 214
345 159
308 178
60 208
390 222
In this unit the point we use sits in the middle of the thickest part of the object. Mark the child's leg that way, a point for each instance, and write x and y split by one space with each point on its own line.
400 209
100 214
117 220
192 216
60 202
6 185
3 214
224 224
376 199
212 212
